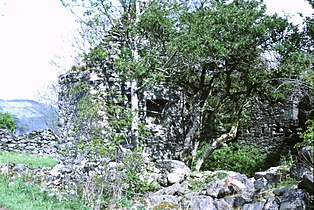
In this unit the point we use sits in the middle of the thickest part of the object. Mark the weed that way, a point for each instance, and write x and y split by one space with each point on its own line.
16 195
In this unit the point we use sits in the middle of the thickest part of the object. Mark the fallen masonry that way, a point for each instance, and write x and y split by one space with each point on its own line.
178 186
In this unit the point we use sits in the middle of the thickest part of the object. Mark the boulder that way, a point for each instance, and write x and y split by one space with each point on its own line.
296 199
282 190
253 206
200 203
306 155
158 199
298 170
172 171
271 204
307 183
175 189
272 176
20 170
7 168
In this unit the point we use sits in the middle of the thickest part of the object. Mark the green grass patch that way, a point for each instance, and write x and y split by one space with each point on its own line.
16 195
27 159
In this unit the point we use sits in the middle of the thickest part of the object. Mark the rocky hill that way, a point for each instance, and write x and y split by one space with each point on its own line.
30 115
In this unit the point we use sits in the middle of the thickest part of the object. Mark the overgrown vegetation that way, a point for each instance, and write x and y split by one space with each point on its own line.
17 195
102 127
247 159
7 121
225 55
307 135
27 159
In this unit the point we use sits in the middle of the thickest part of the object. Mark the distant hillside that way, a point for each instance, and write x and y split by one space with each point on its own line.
30 115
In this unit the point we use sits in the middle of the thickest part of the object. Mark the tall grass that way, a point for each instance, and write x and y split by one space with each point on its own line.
17 195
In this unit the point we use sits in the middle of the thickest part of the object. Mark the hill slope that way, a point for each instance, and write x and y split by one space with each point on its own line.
30 115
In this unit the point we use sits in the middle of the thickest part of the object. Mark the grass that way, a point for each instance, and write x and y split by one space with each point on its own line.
27 159
17 195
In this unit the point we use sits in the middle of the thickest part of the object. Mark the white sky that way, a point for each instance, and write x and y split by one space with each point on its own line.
33 32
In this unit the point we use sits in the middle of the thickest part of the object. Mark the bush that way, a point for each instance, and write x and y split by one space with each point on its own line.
7 121
247 159
307 135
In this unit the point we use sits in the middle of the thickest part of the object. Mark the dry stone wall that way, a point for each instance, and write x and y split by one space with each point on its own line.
271 128
43 142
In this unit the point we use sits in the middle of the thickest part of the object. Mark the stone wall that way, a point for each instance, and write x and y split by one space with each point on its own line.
165 113
159 107
36 142
271 128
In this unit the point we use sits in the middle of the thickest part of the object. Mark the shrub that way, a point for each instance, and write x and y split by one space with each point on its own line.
307 135
7 121
15 194
247 159
102 126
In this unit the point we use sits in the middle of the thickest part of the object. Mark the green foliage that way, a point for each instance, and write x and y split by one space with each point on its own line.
286 181
7 121
102 123
27 159
307 135
16 195
135 178
198 184
247 159
102 126
78 88
222 54
287 161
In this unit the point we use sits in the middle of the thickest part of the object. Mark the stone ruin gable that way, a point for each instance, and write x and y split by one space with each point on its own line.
68 99
96 80
43 142
159 108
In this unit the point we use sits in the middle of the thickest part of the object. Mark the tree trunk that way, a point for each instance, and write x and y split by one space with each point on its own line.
134 96
134 109
189 137
216 144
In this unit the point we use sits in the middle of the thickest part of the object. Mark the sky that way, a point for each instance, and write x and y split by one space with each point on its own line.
33 33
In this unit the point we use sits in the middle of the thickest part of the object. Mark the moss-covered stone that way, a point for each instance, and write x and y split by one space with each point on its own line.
166 206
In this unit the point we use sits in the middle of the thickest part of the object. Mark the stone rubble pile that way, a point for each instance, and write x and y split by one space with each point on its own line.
180 188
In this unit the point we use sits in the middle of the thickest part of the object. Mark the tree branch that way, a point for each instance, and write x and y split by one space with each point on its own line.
218 143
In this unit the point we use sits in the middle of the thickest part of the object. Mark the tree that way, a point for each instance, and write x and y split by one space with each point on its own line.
218 52
7 121
224 54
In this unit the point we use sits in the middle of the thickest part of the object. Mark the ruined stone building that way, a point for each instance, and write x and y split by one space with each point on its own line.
164 110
